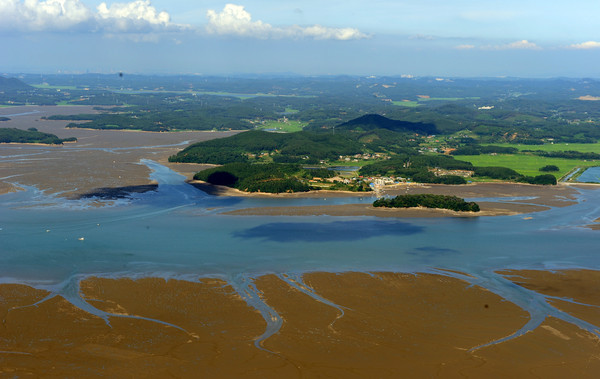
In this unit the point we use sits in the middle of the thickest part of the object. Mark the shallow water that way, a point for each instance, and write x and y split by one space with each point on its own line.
591 175
178 231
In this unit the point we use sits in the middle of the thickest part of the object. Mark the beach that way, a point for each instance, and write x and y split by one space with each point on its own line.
378 324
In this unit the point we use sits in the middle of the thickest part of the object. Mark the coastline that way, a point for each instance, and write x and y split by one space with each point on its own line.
424 323
487 209
539 198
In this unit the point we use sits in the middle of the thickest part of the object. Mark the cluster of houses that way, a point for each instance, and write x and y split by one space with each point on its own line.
442 172
365 156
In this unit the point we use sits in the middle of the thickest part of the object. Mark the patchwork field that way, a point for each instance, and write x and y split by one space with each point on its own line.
527 164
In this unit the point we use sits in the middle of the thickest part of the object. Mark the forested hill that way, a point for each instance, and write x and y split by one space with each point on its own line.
282 148
12 84
375 121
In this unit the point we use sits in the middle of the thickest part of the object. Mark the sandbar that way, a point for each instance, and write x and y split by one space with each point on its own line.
487 209
538 198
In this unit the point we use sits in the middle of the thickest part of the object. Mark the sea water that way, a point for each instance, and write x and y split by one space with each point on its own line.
180 231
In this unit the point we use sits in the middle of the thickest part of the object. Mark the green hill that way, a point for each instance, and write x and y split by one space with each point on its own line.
12 84
374 121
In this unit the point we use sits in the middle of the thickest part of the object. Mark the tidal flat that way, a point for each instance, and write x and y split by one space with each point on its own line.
101 279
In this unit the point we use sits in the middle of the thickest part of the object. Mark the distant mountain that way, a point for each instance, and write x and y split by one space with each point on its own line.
12 84
375 121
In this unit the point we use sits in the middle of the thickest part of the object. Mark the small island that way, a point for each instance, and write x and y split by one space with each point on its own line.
32 135
428 201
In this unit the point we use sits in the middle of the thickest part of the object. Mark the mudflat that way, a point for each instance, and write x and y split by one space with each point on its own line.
332 325
106 163
99 159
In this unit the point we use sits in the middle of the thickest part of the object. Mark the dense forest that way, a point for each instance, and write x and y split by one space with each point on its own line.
428 201
490 110
306 147
271 178
13 135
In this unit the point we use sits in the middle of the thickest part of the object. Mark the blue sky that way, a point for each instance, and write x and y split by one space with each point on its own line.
310 37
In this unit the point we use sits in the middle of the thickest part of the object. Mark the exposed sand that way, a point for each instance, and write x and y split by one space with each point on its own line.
393 324
557 196
545 196
487 209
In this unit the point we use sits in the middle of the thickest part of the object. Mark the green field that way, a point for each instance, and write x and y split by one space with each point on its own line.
581 147
447 98
287 127
526 164
410 104
416 103
47 86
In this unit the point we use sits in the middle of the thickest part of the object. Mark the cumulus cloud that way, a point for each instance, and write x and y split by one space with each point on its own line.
135 18
235 20
586 45
43 15
63 15
135 15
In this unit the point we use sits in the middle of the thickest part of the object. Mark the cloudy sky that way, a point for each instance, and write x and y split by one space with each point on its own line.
526 38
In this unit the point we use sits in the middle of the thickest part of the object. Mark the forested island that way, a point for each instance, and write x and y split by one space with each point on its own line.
13 135
428 201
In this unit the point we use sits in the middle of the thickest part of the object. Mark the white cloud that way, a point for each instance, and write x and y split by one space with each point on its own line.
586 45
523 44
235 20
134 18
137 15
45 15
139 10
517 45
65 15
465 47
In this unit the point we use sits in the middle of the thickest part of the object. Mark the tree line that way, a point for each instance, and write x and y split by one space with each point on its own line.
428 201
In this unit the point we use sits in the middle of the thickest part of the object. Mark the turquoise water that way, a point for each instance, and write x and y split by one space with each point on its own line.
178 232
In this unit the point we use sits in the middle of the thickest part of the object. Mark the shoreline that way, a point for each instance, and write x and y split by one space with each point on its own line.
487 209
543 198
429 324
